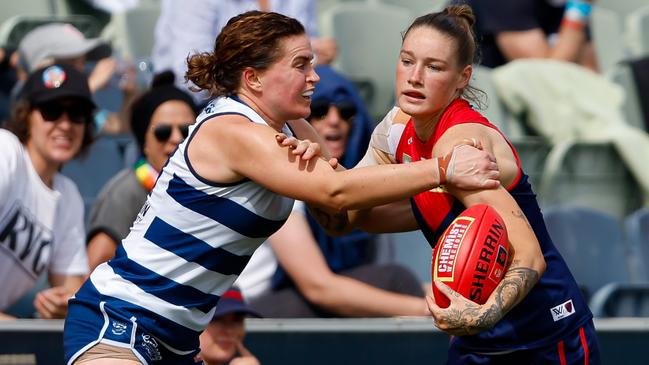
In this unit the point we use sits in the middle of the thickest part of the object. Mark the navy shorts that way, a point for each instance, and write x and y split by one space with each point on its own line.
578 348
88 324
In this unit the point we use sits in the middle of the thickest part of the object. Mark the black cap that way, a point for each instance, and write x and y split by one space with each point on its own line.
55 82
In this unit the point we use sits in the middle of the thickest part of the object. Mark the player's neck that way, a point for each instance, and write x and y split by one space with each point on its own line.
425 126
257 105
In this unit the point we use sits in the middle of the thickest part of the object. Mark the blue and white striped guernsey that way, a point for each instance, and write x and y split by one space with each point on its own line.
189 243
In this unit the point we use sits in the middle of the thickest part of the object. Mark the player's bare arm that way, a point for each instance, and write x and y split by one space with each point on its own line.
463 316
298 253
464 166
398 216
334 221
250 150
383 219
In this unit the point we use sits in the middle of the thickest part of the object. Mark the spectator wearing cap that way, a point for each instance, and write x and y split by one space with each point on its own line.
160 120
222 340
317 275
63 43
41 211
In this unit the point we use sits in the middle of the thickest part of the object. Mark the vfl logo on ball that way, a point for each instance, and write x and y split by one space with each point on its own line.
562 310
501 261
445 261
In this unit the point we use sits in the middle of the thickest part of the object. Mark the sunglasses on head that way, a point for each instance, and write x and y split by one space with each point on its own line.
320 108
78 113
162 132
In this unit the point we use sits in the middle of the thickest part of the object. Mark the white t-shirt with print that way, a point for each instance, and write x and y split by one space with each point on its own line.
41 229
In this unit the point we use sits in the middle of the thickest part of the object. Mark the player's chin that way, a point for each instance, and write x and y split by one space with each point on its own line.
413 109
303 107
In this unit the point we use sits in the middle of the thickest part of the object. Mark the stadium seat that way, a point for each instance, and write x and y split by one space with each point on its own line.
132 35
14 29
419 7
494 109
29 8
590 175
637 32
607 33
532 151
591 243
368 37
622 7
617 30
621 74
636 229
131 32
322 6
104 159
621 300
409 249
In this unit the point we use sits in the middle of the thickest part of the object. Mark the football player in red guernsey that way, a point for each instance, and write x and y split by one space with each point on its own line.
537 314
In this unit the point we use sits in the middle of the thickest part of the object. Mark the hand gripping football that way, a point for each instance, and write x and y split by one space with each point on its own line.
472 255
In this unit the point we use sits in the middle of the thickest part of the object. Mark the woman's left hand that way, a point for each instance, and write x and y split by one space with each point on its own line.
304 148
462 317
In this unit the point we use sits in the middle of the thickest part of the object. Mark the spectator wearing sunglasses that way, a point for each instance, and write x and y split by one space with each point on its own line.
338 88
321 276
41 211
160 120
111 79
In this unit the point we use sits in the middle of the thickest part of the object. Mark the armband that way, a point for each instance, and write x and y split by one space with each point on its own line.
577 11
442 167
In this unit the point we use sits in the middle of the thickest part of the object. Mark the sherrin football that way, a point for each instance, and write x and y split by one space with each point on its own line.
472 255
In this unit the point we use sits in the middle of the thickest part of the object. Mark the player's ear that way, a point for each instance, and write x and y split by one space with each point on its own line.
465 77
252 79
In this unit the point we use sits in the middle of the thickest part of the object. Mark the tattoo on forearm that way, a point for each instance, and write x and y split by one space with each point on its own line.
518 281
471 319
